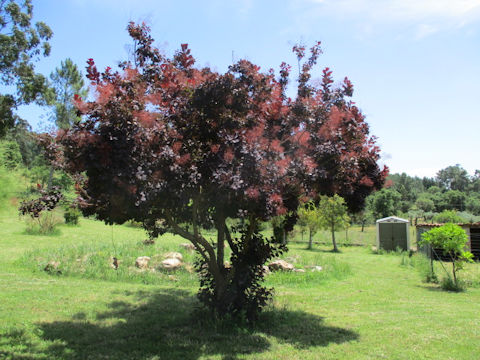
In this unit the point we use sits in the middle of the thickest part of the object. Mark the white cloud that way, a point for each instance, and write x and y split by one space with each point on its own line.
459 10
424 30
417 18
244 5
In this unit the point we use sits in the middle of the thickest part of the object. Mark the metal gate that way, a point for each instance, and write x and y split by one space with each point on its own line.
475 243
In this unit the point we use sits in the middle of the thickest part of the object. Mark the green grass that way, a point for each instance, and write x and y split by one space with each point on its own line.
361 306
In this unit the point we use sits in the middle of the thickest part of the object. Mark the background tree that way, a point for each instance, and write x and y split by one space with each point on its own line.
473 204
384 203
452 200
309 215
333 215
67 81
425 203
21 44
22 134
453 178
191 147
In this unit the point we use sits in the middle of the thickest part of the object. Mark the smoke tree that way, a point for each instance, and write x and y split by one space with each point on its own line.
182 149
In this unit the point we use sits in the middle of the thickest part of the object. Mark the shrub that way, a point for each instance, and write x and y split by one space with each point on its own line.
44 224
451 239
71 215
447 216
449 284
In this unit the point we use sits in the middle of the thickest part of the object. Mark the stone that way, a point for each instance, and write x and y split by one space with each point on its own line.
52 267
114 263
188 246
280 265
317 268
173 255
142 262
299 270
266 270
171 264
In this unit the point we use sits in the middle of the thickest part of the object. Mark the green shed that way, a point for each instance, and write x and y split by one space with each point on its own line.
392 233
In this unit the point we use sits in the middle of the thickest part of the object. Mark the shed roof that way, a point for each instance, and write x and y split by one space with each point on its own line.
392 219
470 225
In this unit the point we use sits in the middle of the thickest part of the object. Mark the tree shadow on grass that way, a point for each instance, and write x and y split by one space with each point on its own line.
161 325
326 251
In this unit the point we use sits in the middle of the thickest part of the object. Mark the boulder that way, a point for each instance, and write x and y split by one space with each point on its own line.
173 255
142 262
280 265
171 264
188 246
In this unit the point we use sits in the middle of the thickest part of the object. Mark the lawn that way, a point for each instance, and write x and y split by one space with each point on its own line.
360 306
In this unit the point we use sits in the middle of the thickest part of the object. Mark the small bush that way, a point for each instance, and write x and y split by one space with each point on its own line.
45 224
71 215
448 284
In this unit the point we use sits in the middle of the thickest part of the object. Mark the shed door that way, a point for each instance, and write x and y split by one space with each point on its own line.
393 235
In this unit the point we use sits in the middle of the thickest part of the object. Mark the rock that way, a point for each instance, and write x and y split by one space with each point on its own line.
173 255
280 265
266 270
317 268
171 264
114 263
142 262
52 267
188 246
299 270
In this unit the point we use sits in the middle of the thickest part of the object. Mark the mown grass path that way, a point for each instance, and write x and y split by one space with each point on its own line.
379 310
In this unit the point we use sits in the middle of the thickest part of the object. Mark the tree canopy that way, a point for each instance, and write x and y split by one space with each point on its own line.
333 215
66 81
181 148
21 44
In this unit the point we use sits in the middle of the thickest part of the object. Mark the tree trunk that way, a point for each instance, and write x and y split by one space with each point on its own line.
284 237
220 241
310 240
454 273
50 178
363 224
335 248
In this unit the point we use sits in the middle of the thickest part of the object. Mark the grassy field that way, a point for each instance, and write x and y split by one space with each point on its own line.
361 306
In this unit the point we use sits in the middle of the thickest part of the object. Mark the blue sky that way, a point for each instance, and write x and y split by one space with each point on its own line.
415 64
